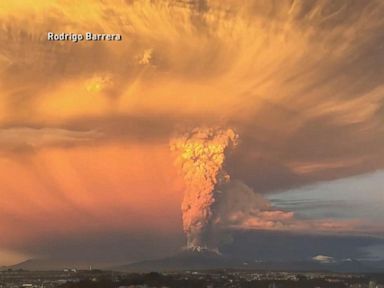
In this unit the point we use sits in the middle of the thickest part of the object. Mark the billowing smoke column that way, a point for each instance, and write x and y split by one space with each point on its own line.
201 155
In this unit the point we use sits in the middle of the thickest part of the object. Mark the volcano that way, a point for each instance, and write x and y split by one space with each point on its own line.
204 259
190 259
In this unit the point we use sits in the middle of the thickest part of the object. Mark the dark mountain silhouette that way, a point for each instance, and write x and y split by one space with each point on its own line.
49 264
206 260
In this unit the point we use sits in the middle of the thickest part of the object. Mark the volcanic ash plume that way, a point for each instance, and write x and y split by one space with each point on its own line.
201 155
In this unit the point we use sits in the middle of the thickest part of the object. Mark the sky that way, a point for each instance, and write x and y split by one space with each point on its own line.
85 164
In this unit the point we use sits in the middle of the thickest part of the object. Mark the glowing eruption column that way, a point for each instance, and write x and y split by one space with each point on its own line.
201 155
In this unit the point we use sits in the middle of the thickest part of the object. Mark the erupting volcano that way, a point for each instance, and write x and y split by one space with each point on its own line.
201 155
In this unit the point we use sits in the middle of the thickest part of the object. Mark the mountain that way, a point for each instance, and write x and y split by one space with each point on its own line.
52 264
209 260
205 260
186 260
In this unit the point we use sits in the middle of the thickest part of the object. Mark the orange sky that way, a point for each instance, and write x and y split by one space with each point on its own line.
92 183
88 190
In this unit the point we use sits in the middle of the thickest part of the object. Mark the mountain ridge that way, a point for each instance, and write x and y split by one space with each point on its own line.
206 260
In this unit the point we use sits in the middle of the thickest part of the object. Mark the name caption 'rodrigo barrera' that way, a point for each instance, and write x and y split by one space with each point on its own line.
77 37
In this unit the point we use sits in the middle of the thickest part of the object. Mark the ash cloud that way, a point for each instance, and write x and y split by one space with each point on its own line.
300 81
200 156
214 204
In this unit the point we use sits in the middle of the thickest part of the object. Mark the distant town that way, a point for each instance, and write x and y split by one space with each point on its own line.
73 278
